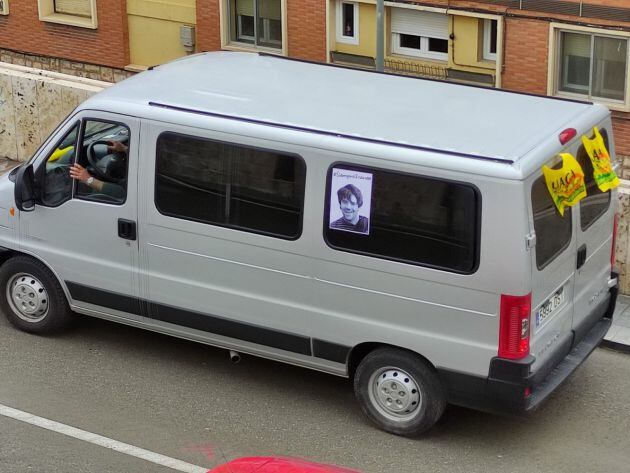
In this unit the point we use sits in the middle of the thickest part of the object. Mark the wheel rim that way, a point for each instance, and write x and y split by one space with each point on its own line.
28 297
395 394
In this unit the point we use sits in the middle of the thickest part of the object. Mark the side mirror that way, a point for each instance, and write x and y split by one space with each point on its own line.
25 189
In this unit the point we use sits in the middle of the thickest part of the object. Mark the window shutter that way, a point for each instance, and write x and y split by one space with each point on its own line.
420 23
74 7
576 44
245 7
270 9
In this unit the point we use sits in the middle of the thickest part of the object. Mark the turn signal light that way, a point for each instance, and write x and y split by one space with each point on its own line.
514 326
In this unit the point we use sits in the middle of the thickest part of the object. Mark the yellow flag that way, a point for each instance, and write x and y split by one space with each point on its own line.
58 153
603 172
566 185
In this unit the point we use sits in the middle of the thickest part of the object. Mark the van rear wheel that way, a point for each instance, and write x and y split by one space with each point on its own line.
399 391
31 297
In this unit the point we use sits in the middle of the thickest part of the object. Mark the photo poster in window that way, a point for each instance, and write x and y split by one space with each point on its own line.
350 201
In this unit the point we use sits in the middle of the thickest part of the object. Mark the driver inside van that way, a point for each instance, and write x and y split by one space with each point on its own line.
111 189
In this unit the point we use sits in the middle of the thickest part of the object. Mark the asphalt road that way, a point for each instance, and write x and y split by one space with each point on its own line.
187 401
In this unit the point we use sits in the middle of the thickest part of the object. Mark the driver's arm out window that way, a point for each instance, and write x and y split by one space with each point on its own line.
104 157
57 184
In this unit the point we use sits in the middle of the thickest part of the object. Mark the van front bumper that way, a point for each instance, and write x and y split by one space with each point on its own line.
512 388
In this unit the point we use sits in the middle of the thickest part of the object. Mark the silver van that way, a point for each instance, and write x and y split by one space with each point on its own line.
392 230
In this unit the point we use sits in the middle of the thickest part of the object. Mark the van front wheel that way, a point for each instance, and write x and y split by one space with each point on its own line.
399 392
31 297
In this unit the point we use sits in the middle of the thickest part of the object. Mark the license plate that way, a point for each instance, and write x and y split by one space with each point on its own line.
549 307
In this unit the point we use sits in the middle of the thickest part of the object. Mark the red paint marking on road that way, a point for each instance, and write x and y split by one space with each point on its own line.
205 449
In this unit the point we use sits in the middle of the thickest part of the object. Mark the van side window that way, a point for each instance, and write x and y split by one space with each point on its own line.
57 184
409 218
553 231
596 202
230 185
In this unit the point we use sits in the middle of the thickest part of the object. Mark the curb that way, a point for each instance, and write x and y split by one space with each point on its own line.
616 346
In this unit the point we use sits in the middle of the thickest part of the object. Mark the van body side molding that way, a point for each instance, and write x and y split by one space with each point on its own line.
107 299
291 342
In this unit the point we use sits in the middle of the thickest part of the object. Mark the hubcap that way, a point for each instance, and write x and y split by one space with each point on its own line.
395 394
27 297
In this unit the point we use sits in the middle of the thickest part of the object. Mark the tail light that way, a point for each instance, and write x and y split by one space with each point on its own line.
614 241
514 326
567 135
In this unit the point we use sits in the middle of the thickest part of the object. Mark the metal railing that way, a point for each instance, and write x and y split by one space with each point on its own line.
414 69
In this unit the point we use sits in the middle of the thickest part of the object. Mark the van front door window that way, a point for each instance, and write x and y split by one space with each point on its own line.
101 168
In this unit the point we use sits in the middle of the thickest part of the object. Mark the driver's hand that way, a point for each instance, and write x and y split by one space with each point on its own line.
116 147
79 173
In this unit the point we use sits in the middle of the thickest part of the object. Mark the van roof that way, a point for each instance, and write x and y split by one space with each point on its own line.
466 120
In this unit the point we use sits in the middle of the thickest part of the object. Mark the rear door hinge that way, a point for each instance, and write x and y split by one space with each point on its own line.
530 240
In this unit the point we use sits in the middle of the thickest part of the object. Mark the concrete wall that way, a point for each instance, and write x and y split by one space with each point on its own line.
622 250
33 102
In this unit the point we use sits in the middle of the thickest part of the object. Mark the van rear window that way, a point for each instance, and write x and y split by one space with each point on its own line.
553 231
596 202
402 217
230 185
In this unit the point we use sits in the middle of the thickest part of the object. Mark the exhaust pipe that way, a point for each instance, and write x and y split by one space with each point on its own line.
235 356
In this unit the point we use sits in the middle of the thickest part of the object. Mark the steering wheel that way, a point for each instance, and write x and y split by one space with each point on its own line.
94 161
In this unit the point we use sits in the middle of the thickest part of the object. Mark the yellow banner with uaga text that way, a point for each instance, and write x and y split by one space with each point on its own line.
603 172
566 185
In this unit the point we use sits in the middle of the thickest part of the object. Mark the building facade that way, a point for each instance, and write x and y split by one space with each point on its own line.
104 40
566 48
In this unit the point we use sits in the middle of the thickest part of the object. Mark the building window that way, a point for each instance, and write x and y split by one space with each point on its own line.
490 40
230 185
347 16
73 7
256 22
592 65
80 13
4 7
419 33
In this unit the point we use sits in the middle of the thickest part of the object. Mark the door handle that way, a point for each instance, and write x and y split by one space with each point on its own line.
581 256
126 229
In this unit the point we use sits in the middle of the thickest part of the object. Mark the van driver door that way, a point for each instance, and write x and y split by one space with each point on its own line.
84 223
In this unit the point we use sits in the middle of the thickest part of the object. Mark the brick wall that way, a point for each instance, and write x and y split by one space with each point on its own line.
208 25
107 45
306 28
621 130
526 50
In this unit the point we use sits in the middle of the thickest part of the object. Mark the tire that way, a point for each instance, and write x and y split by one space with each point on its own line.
399 392
31 297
